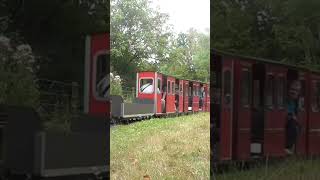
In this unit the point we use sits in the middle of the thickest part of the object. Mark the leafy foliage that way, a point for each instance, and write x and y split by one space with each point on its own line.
141 40
138 34
116 88
282 30
17 74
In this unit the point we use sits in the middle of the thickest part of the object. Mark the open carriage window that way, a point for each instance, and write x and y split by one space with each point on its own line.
270 91
102 76
146 86
315 97
302 95
245 87
281 91
173 88
169 87
159 86
256 94
227 87
195 92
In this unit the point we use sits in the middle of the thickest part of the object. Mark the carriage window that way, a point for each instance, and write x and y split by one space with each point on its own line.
186 90
270 91
173 87
190 91
227 87
159 86
102 76
245 88
302 95
146 86
281 91
315 98
169 87
180 89
196 90
256 94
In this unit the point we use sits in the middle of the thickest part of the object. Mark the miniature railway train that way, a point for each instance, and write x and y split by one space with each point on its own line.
162 95
29 151
249 111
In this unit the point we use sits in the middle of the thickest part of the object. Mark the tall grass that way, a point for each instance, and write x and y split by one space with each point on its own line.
288 169
171 148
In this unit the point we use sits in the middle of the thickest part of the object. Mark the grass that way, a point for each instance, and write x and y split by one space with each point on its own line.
288 169
170 148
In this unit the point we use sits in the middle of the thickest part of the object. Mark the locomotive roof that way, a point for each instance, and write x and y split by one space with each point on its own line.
224 53
177 77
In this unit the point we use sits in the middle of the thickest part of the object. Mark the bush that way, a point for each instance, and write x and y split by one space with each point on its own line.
116 85
17 74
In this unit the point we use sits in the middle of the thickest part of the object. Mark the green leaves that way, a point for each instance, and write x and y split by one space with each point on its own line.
138 35
281 30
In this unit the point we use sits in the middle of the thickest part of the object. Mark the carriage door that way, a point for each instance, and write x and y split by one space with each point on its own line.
186 96
180 96
195 98
159 93
242 94
275 111
170 95
314 114
205 98
302 116
227 110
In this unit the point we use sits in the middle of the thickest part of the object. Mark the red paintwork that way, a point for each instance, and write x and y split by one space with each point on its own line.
170 100
181 90
242 114
301 147
275 121
195 98
205 100
314 122
146 75
99 42
226 117
159 96
185 95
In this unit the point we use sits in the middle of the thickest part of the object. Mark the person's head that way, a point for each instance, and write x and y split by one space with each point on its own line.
294 89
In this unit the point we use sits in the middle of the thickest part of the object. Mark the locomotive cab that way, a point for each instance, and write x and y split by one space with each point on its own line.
96 76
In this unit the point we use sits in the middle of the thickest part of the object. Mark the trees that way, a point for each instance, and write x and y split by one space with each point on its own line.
189 56
282 30
142 40
139 37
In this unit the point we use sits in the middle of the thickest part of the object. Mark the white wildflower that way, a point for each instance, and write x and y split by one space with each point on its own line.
4 41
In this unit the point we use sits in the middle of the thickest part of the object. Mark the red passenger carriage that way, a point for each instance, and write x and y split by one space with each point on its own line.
170 95
250 107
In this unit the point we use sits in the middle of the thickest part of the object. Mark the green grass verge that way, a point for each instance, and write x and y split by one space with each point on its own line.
288 169
170 148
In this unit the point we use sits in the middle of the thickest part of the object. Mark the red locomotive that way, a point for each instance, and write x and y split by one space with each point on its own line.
250 111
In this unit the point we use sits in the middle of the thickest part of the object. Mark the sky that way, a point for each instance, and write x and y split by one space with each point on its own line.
186 14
